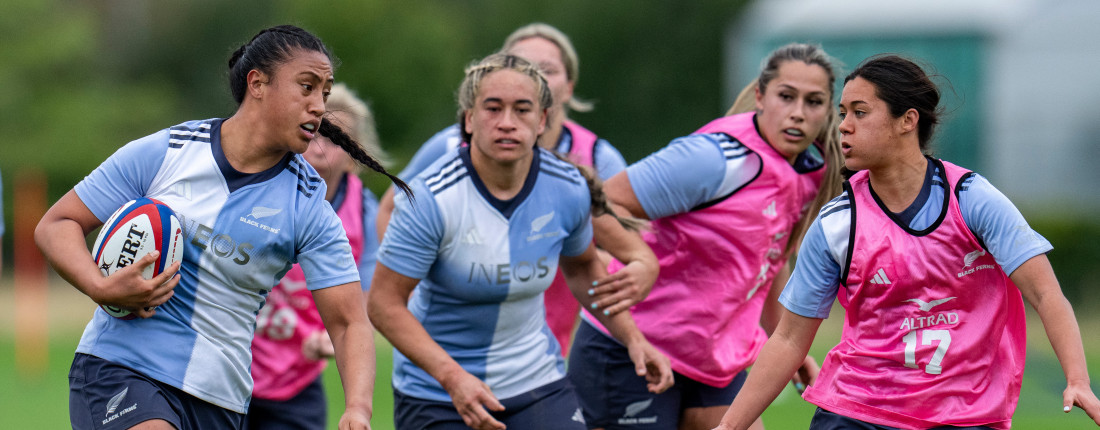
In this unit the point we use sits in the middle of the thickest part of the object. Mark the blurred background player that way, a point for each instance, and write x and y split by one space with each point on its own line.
553 52
187 358
461 270
291 344
929 261
726 203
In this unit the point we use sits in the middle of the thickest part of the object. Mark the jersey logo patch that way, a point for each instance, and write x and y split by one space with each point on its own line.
880 278
262 212
970 257
118 398
927 306
770 210
471 237
541 222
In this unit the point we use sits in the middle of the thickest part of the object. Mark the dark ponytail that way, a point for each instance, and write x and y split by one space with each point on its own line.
345 142
599 203
903 85
267 50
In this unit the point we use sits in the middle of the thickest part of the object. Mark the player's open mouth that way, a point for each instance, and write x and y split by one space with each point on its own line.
309 128
794 132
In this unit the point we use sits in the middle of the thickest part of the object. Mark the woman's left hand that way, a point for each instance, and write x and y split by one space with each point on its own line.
318 346
625 288
1081 395
806 374
652 364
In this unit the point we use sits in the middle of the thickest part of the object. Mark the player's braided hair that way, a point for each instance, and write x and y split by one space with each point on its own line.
471 85
345 142
599 203
268 49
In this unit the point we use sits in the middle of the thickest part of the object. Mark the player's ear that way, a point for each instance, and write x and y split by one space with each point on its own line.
256 80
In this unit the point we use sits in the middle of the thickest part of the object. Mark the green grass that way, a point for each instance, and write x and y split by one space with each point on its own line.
40 400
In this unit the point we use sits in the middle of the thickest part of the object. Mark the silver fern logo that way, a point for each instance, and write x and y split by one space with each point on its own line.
968 259
636 407
262 212
541 222
115 401
113 411
632 410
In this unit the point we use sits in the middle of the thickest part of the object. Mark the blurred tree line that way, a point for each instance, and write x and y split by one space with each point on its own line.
80 78
85 77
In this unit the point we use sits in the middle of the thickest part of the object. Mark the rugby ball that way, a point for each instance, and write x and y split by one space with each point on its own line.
138 228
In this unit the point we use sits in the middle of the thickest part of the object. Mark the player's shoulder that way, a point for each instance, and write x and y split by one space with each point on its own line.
444 173
446 139
559 170
195 131
308 182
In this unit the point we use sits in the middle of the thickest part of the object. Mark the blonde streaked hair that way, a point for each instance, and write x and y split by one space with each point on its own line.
362 127
471 85
568 55
828 141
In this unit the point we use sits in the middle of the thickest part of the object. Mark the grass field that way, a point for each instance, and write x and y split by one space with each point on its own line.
39 400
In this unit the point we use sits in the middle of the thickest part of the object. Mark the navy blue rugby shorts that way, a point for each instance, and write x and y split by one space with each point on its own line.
105 395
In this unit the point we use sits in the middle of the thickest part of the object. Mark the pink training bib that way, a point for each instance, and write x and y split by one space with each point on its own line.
718 262
934 330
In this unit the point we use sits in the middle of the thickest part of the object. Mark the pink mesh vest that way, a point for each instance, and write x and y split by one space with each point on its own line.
718 262
561 307
279 369
934 330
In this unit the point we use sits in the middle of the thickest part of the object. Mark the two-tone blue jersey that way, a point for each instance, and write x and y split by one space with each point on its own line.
484 264
242 233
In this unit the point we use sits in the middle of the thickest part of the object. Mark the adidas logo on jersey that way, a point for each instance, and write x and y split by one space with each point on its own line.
880 278
770 210
471 237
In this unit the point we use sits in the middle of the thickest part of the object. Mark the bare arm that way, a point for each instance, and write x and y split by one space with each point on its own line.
621 193
388 308
1036 281
781 356
345 317
769 319
579 271
60 235
632 283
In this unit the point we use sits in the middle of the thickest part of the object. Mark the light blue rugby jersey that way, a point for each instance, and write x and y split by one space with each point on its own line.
607 159
242 232
483 265
988 214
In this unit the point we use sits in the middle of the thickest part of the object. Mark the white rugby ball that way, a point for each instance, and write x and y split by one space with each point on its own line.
138 228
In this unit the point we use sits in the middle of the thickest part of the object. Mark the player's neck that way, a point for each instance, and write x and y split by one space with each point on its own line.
554 125
899 183
502 180
244 145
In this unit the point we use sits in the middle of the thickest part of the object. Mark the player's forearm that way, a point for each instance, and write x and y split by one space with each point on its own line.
392 318
623 244
1036 280
1065 337
62 243
580 275
782 355
355 359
